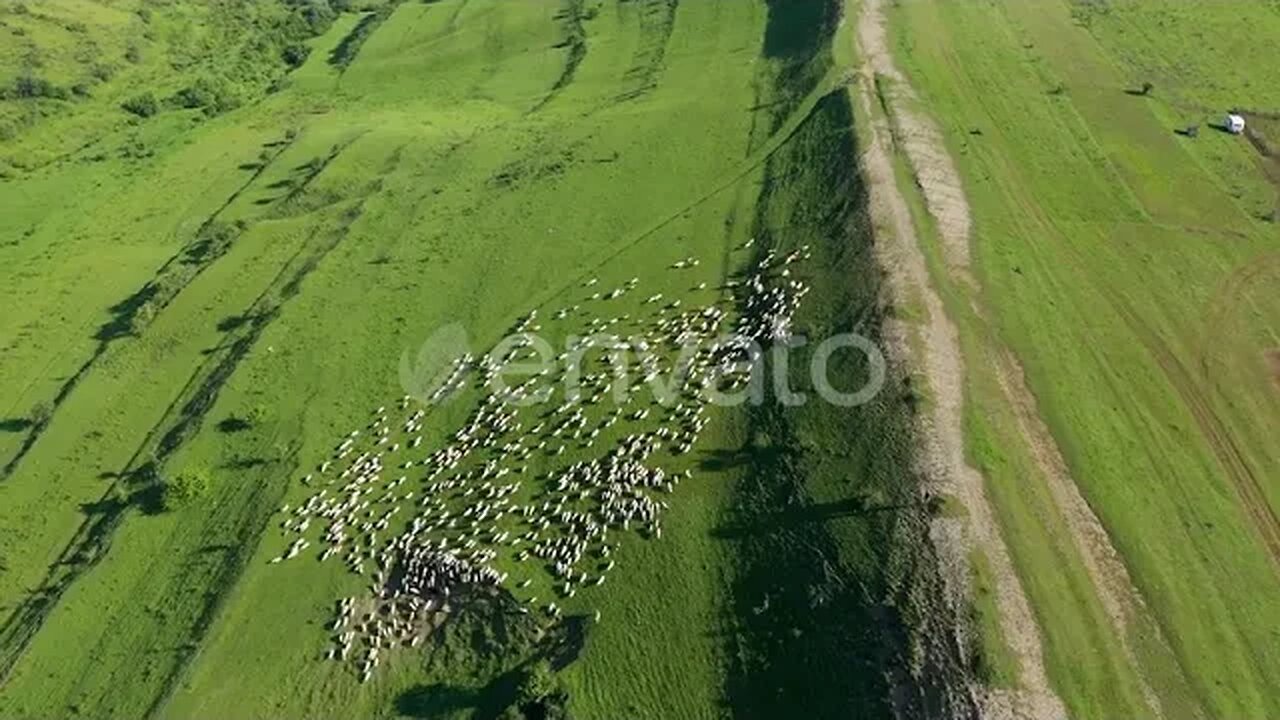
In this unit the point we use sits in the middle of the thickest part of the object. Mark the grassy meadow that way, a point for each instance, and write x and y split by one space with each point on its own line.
237 219
1126 266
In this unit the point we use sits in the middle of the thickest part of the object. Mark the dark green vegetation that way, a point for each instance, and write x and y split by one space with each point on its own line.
221 249
821 522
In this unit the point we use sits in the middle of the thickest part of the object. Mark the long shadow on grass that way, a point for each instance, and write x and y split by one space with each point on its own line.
492 639
792 518
825 528
212 239
14 425
138 485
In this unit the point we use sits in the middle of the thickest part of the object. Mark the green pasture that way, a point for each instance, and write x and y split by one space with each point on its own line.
459 161
1125 266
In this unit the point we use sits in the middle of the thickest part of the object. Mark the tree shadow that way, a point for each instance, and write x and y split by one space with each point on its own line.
426 701
246 463
14 425
485 703
566 644
507 648
123 313
816 513
731 459
231 322
233 424
150 499
104 506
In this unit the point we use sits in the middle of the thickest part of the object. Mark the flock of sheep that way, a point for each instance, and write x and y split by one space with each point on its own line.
492 510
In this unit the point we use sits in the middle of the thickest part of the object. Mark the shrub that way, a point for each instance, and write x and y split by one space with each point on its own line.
143 105
133 53
40 414
258 414
135 148
184 490
294 54
539 695
234 424
212 242
214 96
102 72
538 683
30 86
318 16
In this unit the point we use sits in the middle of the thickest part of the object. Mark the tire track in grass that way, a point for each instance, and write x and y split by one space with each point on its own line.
1233 292
1239 471
921 141
138 483
1108 574
122 324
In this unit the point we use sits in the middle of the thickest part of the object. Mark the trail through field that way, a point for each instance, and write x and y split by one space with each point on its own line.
922 144
943 454
920 140
1225 446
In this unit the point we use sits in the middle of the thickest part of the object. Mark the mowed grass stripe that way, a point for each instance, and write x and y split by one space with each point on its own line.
1065 267
186 415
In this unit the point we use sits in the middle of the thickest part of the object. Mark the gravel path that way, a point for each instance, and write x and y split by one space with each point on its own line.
936 353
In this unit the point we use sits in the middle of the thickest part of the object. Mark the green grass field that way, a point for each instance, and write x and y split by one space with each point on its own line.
1126 267
228 226
271 240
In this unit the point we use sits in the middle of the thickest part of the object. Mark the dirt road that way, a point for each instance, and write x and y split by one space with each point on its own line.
935 352
937 355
